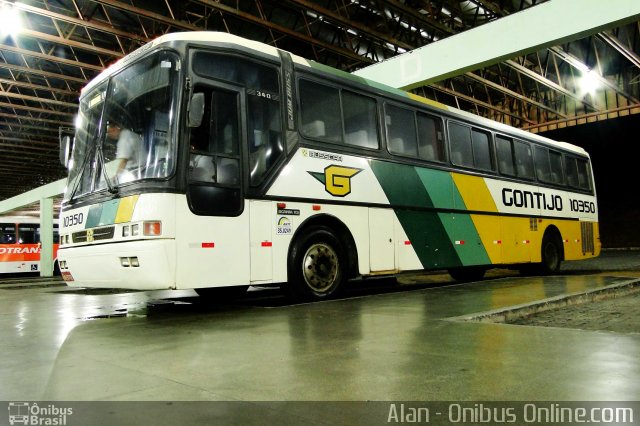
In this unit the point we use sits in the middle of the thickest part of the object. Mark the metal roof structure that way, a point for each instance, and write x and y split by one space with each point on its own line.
65 43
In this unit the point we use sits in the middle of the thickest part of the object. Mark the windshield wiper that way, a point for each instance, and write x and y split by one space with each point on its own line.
83 169
112 189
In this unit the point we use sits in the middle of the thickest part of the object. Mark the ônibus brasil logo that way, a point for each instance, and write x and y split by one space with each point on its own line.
27 413
336 179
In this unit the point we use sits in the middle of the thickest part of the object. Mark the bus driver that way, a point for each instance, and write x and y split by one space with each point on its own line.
129 148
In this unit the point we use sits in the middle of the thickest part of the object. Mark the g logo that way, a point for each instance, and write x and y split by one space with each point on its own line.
336 179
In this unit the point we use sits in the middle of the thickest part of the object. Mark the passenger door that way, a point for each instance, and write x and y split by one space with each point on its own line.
213 227
214 173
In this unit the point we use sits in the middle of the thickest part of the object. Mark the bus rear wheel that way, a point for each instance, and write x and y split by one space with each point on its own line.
551 253
470 273
222 293
316 265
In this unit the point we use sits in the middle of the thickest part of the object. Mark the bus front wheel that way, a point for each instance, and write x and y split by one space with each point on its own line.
316 265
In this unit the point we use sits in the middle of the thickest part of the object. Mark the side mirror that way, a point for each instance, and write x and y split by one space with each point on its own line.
196 110
66 146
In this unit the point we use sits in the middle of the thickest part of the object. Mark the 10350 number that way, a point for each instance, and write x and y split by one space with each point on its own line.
74 219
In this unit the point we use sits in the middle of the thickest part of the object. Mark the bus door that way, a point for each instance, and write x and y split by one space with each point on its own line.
516 239
215 232
381 240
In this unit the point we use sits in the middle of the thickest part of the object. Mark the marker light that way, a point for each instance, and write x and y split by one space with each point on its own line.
152 228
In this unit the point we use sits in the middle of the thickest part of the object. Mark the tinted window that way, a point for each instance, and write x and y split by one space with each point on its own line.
504 152
237 70
481 150
542 164
555 163
524 160
460 141
548 165
215 146
7 233
320 111
28 234
264 136
360 124
264 127
571 169
430 140
584 182
401 131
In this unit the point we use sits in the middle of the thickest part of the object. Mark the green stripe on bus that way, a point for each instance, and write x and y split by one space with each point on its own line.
465 239
439 186
109 210
406 186
401 184
429 238
102 214
93 217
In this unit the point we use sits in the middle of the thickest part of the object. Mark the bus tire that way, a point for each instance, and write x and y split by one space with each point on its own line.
469 273
551 255
317 265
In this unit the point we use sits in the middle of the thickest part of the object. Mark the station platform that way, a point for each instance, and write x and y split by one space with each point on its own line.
427 339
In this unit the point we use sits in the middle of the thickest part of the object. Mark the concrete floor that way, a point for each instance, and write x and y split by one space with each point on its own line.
74 345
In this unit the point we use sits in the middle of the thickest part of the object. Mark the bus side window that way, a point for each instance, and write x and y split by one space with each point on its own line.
524 159
265 136
360 124
481 142
543 169
504 151
401 131
320 111
28 234
555 163
571 170
460 145
7 233
583 175
430 138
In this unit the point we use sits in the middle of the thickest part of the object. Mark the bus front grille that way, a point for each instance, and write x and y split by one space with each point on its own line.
90 235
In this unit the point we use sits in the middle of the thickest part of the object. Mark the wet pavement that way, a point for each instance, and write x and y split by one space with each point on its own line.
382 342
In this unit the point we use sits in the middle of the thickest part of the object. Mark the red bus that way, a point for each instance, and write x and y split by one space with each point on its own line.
20 244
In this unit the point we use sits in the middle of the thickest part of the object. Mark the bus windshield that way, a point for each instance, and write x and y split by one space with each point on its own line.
125 127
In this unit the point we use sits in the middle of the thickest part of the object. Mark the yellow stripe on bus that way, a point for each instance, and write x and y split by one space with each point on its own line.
474 193
125 209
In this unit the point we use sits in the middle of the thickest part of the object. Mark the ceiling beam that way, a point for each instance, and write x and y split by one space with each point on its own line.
71 43
51 58
81 22
417 68
41 73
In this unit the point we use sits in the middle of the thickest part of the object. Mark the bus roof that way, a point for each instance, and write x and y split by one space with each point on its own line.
226 38
19 219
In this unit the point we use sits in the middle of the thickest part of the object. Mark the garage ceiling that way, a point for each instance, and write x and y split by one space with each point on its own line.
65 43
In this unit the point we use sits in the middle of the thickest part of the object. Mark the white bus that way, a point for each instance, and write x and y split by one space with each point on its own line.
20 244
254 166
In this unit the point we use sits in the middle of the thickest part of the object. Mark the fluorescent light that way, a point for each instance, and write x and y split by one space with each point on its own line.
10 20
589 82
